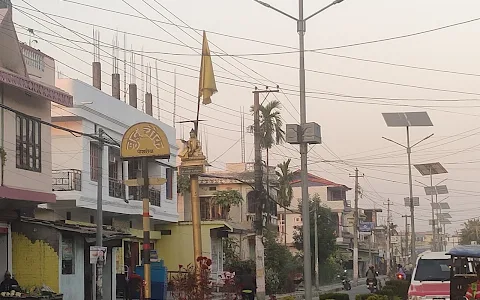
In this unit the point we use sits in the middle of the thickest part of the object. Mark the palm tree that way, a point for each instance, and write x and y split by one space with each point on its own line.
271 124
285 193
271 130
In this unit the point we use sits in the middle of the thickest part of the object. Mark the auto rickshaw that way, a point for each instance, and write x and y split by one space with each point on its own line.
464 258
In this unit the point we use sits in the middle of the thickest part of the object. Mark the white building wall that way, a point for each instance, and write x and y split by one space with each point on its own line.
115 117
30 105
72 286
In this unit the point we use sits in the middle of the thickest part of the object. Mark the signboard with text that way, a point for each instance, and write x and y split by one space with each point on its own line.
98 253
145 140
366 226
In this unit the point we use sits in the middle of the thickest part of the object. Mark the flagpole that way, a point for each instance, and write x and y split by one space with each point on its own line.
194 184
198 115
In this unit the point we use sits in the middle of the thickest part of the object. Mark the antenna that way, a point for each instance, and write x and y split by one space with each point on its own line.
143 80
125 67
242 133
158 90
175 96
132 67
96 45
115 53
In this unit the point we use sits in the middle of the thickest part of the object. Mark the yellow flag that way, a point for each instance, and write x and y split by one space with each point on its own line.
207 86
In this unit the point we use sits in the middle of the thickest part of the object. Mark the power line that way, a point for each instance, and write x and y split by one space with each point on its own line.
294 49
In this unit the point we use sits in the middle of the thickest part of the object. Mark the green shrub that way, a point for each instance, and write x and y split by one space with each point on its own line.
377 297
334 296
362 296
399 287
387 292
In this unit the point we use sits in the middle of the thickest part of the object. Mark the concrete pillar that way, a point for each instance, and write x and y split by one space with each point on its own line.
148 104
132 94
116 86
97 74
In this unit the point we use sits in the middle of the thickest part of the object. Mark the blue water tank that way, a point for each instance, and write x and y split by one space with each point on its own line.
159 279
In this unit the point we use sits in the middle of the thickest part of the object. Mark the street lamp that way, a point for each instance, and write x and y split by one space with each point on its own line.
407 120
303 141
433 169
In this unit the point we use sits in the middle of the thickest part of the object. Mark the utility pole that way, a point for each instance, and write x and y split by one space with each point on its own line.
301 29
259 195
389 240
99 236
434 234
406 236
317 275
355 229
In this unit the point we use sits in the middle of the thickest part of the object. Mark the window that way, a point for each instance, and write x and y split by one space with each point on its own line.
69 215
68 256
113 162
338 195
251 202
432 270
94 153
28 144
169 183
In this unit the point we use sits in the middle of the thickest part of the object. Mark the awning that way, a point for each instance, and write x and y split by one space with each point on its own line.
88 232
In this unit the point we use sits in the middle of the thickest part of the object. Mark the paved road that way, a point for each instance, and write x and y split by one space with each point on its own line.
361 288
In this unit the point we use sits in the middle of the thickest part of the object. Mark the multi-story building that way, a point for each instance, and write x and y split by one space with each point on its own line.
75 176
217 222
27 91
332 195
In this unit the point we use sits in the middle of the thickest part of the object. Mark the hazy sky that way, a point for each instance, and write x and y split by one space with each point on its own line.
346 96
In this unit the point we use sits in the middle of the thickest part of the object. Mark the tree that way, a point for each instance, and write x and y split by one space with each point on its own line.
271 124
285 190
280 266
227 199
470 232
326 232
183 184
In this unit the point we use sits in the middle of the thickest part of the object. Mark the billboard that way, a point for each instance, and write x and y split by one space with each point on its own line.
366 226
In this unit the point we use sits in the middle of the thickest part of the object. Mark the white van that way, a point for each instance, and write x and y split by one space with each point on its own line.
431 277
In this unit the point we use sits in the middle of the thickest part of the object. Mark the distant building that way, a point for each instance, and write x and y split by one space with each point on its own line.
332 195
217 223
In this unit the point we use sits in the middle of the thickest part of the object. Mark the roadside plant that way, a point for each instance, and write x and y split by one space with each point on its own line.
193 281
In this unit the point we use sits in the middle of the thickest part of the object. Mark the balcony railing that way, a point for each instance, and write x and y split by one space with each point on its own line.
67 180
116 188
155 195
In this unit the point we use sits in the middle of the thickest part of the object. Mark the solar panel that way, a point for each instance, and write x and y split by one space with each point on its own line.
442 205
433 168
404 119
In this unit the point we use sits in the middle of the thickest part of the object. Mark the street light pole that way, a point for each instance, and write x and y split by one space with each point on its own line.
99 236
301 29
410 185
317 275
412 207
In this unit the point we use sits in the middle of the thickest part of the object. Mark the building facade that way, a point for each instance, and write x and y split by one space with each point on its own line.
75 160
27 91
332 195
218 222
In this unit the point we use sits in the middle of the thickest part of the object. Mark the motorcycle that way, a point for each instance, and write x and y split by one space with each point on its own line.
371 285
400 276
345 281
